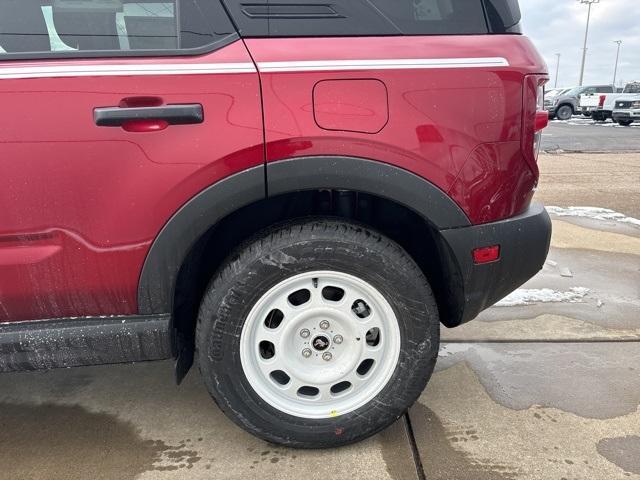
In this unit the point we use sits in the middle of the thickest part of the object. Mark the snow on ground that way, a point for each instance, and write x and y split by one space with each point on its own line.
594 213
525 296
588 121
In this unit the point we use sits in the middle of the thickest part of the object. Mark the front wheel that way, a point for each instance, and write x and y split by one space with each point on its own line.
564 112
625 123
317 334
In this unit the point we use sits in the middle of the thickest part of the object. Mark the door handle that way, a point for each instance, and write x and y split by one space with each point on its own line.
188 114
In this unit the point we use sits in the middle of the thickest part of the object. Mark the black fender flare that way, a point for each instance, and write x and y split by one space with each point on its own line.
175 240
198 215
367 176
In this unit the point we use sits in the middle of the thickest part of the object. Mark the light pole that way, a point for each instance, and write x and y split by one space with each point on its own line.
615 71
586 37
557 69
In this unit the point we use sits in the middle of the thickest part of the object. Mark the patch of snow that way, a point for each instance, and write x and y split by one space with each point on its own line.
565 272
595 213
525 296
581 121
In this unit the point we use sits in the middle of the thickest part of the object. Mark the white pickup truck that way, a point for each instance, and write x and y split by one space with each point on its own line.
601 105
627 110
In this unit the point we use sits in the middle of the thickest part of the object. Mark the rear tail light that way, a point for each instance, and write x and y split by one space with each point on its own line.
603 98
534 119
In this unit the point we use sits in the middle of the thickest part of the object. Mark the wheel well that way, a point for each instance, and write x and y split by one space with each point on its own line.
566 104
416 235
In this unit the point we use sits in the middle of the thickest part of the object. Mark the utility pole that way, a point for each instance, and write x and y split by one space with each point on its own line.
586 37
557 69
615 71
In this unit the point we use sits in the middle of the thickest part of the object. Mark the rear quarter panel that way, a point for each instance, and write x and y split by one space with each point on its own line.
459 128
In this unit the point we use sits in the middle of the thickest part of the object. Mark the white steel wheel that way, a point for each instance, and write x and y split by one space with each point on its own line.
317 333
320 344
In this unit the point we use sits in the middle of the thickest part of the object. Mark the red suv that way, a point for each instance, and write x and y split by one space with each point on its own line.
294 194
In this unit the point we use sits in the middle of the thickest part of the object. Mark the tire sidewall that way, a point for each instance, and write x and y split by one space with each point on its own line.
561 110
265 264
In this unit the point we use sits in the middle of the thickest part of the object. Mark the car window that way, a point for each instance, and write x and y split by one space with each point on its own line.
555 92
632 88
311 18
575 91
434 16
57 27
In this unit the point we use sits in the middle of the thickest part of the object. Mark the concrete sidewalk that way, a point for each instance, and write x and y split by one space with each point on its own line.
126 422
522 411
550 390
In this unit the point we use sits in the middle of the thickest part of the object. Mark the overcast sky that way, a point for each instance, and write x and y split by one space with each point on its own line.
557 26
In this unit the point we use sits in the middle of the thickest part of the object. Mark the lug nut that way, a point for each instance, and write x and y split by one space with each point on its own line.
304 333
326 356
324 325
338 339
306 353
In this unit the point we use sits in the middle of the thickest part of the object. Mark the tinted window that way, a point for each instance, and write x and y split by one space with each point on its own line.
632 88
503 15
305 18
75 27
574 91
308 18
418 17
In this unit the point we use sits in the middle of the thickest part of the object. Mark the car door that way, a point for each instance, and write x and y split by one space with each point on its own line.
114 114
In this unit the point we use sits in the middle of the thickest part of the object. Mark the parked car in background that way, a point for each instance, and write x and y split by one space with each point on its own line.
295 196
549 94
627 111
603 104
567 104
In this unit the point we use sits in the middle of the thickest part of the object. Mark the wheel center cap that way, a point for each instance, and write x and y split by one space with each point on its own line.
320 343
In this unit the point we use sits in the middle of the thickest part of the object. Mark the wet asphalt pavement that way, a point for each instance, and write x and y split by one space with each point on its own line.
549 390
581 134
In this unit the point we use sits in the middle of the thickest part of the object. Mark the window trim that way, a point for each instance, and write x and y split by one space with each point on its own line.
106 54
223 39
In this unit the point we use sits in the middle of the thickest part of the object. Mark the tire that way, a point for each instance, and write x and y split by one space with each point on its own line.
598 117
625 123
319 257
564 112
587 114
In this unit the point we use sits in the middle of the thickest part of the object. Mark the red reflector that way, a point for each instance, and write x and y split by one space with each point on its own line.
542 121
486 255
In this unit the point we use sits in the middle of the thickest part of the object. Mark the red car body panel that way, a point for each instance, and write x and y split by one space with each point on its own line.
459 128
82 204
